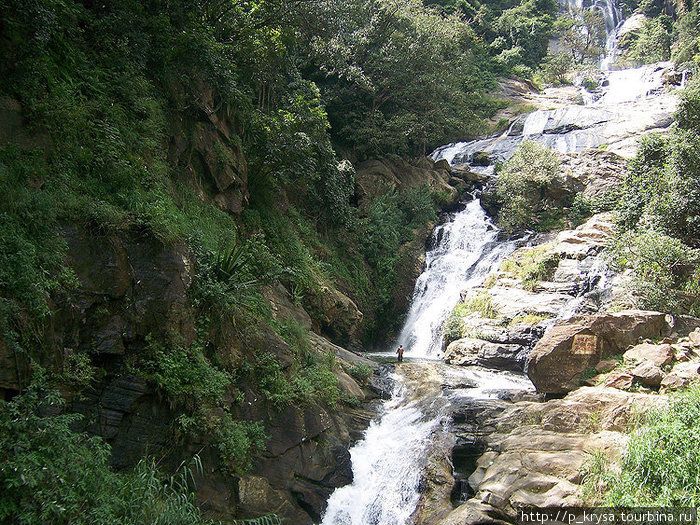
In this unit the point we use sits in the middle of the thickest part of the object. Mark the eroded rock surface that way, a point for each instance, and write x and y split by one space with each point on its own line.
565 352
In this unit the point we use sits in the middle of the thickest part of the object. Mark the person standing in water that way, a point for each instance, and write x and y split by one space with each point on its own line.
399 352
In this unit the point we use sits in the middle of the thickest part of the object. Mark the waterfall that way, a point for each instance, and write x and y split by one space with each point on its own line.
388 463
465 250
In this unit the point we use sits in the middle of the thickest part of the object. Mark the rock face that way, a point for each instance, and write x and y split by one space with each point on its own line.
614 122
565 352
630 29
575 284
533 453
658 355
204 148
132 286
597 171
373 177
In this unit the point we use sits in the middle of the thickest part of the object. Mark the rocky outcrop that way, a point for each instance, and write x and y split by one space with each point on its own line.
208 151
574 282
520 450
629 31
598 171
559 359
469 351
336 314
535 452
624 111
132 289
374 177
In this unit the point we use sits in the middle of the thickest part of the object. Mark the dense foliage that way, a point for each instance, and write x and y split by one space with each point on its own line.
51 474
661 464
521 188
659 215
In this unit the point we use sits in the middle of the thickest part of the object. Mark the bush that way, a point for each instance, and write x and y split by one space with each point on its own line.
665 271
238 442
360 371
480 303
521 184
51 474
556 68
307 382
185 375
661 465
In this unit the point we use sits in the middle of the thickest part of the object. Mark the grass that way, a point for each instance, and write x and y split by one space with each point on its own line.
532 265
661 464
531 319
480 303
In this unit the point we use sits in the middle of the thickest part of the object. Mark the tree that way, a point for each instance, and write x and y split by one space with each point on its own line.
526 28
398 77
521 184
556 67
583 33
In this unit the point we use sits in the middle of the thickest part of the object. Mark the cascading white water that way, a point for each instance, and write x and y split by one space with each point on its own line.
387 464
466 250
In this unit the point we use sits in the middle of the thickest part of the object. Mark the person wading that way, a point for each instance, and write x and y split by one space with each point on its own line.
399 352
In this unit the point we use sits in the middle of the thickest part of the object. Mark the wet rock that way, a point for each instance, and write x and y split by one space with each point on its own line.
464 172
659 355
469 351
556 363
381 383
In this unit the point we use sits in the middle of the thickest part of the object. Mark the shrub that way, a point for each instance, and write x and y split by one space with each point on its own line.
665 271
304 383
238 442
521 184
661 465
480 303
51 474
556 68
360 371
185 375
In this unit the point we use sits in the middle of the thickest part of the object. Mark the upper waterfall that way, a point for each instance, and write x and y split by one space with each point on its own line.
465 250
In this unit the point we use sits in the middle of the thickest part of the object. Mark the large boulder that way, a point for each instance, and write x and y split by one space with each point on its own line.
681 375
556 363
338 316
469 351
659 355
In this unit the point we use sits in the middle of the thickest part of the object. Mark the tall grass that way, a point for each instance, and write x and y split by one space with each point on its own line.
661 465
